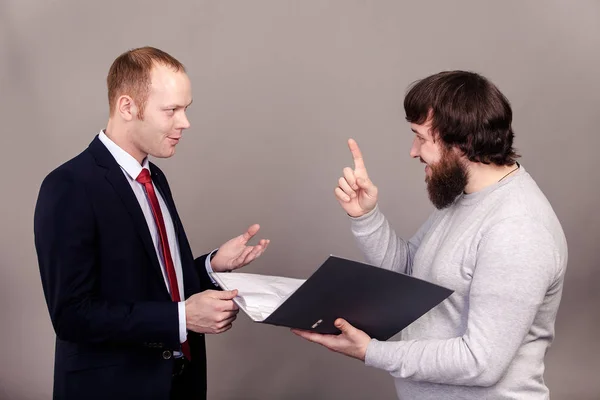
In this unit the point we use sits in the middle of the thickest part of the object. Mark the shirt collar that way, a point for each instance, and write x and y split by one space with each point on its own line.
125 160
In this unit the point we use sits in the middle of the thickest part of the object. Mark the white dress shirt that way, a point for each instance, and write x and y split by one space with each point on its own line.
131 169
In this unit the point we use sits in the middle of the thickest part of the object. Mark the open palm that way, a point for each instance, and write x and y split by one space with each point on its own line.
235 253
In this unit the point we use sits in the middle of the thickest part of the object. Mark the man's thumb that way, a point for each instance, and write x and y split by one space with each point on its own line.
367 186
226 294
342 325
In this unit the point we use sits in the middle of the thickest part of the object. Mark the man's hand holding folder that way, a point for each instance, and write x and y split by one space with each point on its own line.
351 342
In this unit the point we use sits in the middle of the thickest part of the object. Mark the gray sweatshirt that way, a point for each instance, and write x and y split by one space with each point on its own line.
503 252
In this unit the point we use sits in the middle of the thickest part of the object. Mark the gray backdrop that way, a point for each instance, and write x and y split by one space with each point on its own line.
278 88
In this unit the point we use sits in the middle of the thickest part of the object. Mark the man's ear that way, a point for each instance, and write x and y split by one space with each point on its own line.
126 108
459 153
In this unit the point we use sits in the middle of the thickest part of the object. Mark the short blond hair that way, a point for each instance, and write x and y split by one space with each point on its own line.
130 73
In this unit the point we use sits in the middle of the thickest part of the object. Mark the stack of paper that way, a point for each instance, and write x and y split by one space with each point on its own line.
258 295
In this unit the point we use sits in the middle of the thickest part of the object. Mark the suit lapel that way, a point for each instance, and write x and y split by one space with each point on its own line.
190 277
116 178
159 181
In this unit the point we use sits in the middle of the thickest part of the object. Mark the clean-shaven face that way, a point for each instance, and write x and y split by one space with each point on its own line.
165 112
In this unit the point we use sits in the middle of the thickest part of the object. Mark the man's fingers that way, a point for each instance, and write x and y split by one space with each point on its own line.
228 306
256 251
224 329
368 186
359 163
343 325
226 321
311 336
328 341
252 230
350 178
253 255
239 261
225 315
224 294
343 184
339 193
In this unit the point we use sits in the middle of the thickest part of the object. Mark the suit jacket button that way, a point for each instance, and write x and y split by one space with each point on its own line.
167 354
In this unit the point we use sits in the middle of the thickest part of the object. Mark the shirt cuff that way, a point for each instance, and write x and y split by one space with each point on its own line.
182 324
209 269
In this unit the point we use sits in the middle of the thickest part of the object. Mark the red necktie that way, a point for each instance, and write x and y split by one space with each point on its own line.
145 179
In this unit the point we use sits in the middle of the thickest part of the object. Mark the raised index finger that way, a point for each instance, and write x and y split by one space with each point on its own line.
359 163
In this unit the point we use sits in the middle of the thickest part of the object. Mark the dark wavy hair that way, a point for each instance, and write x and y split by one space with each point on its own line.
468 112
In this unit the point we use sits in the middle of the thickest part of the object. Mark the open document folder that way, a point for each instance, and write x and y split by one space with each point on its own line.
377 301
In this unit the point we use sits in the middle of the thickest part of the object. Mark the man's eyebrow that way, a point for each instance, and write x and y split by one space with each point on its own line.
174 105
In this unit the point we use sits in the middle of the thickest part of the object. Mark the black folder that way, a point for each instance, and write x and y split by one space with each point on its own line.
375 300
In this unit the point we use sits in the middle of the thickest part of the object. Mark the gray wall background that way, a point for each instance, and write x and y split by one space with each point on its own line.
278 88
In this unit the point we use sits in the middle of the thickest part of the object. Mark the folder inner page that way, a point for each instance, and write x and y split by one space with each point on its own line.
258 295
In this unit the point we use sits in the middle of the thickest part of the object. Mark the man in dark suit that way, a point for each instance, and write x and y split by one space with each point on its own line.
128 302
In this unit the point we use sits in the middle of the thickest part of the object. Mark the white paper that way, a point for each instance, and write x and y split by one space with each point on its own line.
258 295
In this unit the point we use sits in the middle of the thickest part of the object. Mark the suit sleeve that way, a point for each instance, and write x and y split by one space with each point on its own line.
66 245
205 281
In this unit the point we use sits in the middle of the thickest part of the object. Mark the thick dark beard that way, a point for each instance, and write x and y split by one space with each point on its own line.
449 178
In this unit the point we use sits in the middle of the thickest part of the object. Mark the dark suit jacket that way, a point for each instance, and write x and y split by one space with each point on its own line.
115 323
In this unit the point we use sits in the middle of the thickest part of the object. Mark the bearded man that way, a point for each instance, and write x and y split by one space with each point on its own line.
494 239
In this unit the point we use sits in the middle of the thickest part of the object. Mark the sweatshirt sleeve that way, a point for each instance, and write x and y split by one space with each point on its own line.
517 263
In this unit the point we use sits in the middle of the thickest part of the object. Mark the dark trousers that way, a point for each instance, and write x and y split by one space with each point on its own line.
183 381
